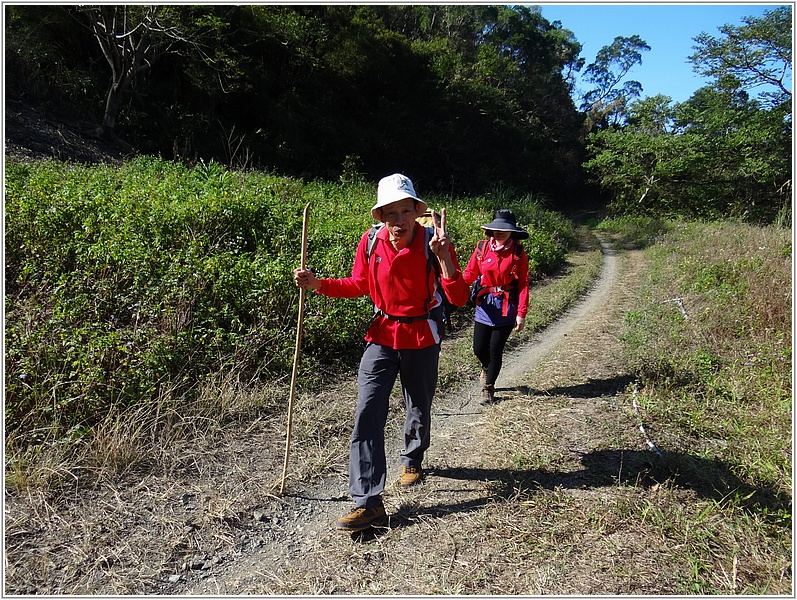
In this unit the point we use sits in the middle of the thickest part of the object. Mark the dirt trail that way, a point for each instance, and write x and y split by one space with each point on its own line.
560 433
302 554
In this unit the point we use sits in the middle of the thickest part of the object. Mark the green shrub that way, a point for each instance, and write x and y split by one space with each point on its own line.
634 231
127 283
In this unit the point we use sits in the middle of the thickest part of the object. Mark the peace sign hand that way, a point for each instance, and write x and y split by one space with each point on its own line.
439 244
440 224
439 241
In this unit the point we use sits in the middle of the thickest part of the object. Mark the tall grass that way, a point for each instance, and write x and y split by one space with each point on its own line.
711 341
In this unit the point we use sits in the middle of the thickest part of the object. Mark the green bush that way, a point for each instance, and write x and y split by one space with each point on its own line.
551 235
634 231
127 284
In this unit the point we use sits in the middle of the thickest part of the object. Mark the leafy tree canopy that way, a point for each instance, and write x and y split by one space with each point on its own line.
756 54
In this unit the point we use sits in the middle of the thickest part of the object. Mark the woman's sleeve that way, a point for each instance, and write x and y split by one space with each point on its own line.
523 285
472 271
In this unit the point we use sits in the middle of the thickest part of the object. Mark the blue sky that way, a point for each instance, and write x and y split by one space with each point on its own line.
668 29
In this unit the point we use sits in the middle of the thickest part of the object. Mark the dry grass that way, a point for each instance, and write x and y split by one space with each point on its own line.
724 373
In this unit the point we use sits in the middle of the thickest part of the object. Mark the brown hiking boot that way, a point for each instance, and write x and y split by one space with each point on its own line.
488 394
409 476
362 518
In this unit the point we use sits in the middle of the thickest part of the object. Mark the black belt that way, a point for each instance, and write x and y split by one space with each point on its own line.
381 313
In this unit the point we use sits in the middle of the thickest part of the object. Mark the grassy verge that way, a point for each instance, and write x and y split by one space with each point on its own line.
710 339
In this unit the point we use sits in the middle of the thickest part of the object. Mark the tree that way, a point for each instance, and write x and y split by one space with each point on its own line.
132 38
717 155
127 36
49 60
758 53
741 164
637 163
462 96
746 165
612 64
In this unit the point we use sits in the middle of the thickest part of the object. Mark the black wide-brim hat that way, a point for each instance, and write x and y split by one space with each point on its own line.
505 220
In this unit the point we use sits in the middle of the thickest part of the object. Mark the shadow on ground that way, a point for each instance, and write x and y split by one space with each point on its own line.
592 388
711 479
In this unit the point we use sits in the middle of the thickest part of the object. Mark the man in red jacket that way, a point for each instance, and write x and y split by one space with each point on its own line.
403 339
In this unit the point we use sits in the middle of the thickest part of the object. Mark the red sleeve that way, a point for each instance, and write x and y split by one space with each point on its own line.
473 270
523 283
456 288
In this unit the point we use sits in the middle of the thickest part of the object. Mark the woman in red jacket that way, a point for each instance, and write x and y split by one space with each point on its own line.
402 341
501 266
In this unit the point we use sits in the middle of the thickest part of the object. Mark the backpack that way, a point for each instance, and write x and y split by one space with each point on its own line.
476 290
446 308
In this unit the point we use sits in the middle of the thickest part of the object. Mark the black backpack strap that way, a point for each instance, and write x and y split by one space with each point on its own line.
369 250
480 248
431 263
431 259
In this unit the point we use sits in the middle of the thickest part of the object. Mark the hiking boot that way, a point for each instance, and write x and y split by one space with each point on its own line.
488 394
483 377
362 518
409 476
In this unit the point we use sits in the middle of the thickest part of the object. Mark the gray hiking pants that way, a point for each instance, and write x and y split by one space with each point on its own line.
379 367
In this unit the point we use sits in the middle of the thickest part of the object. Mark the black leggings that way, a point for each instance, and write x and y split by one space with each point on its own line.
488 346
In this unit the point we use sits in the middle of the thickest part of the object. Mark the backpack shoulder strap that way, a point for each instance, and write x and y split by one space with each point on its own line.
369 250
481 247
432 264
431 259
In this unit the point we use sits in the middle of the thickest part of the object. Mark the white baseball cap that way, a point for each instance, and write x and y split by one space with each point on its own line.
392 189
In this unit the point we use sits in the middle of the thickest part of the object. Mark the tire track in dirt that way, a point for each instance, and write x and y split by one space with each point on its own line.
300 538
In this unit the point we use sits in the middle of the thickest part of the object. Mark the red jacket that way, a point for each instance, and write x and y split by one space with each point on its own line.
496 270
396 282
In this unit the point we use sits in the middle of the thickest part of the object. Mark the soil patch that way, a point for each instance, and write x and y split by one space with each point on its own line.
30 134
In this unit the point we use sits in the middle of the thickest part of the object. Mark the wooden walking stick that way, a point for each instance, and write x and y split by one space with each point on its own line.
295 352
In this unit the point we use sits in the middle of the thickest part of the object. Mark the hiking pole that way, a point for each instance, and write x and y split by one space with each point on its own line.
295 353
